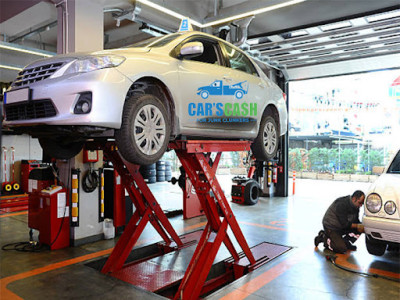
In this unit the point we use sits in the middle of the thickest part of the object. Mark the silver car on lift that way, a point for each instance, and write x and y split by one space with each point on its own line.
190 85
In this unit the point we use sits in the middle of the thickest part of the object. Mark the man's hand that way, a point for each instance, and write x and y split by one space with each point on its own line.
358 227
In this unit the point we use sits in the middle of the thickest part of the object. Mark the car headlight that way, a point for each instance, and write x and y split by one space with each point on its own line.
94 62
390 207
374 203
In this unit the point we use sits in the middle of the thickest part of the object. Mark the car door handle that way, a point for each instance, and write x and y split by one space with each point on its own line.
227 78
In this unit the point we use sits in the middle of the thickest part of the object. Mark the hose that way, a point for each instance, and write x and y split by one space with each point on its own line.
90 181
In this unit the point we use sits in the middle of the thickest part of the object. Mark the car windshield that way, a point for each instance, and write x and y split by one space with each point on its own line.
157 41
394 168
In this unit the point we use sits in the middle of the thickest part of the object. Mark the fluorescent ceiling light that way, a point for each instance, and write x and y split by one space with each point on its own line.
252 13
10 67
220 21
18 48
384 16
335 26
169 12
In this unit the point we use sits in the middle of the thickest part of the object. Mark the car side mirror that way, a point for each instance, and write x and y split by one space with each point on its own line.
192 49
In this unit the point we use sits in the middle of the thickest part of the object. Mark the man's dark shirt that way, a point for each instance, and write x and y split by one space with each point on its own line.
341 214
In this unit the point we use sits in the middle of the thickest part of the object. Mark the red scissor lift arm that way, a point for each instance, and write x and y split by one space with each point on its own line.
147 210
196 159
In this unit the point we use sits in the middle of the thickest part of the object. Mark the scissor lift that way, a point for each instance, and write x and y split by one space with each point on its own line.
201 168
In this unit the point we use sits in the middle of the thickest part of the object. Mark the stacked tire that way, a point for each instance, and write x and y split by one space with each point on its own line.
160 171
149 173
168 171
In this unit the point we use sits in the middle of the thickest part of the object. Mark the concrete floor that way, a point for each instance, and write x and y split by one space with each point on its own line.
301 273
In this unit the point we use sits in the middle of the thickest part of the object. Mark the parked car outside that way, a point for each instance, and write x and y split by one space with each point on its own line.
381 212
146 95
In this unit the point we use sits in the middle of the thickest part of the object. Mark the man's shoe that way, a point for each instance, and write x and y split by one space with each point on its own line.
319 238
352 247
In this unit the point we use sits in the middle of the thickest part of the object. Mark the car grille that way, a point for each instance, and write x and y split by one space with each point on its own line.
30 110
31 75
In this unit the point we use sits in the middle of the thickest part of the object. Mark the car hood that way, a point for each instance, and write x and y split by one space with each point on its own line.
387 187
71 56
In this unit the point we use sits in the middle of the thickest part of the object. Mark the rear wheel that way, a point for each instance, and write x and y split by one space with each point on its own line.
145 130
265 146
60 148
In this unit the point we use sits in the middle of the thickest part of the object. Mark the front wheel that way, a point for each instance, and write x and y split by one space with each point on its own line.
145 130
265 146
60 148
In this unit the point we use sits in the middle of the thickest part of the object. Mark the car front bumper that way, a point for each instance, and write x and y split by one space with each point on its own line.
108 87
382 229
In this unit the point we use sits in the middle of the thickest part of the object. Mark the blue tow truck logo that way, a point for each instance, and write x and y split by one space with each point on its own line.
218 89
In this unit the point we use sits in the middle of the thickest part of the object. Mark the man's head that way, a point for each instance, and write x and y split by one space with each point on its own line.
358 198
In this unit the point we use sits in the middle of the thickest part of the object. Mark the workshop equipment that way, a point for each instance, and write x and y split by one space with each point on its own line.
246 189
147 210
26 167
6 186
195 157
191 203
15 185
40 178
49 214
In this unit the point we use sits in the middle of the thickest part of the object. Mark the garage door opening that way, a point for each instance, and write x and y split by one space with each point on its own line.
344 127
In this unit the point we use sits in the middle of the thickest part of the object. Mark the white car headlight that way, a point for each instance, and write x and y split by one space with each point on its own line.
94 62
374 203
390 207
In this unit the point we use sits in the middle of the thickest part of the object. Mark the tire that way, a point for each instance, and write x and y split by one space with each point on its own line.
375 247
138 140
168 178
265 146
251 192
160 173
60 149
168 173
160 178
152 179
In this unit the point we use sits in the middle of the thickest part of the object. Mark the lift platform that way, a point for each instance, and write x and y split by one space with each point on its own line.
201 167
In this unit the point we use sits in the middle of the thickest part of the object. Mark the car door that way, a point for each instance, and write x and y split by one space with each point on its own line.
249 102
202 79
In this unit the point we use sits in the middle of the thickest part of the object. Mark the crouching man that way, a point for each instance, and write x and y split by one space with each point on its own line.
341 224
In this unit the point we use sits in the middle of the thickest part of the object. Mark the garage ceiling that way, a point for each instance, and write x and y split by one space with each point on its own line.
296 38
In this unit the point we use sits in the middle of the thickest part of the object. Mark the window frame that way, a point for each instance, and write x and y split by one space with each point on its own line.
228 62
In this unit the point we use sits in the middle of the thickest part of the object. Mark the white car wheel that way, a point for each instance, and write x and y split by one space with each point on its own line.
145 130
265 146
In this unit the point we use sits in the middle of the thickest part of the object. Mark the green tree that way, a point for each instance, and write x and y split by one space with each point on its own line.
348 159
295 159
375 159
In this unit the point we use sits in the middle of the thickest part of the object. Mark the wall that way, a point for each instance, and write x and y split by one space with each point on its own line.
25 147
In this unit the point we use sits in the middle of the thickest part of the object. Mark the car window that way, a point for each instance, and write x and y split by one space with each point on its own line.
210 53
239 61
395 165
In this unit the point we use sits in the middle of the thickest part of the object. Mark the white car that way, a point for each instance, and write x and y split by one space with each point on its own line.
381 213
187 85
